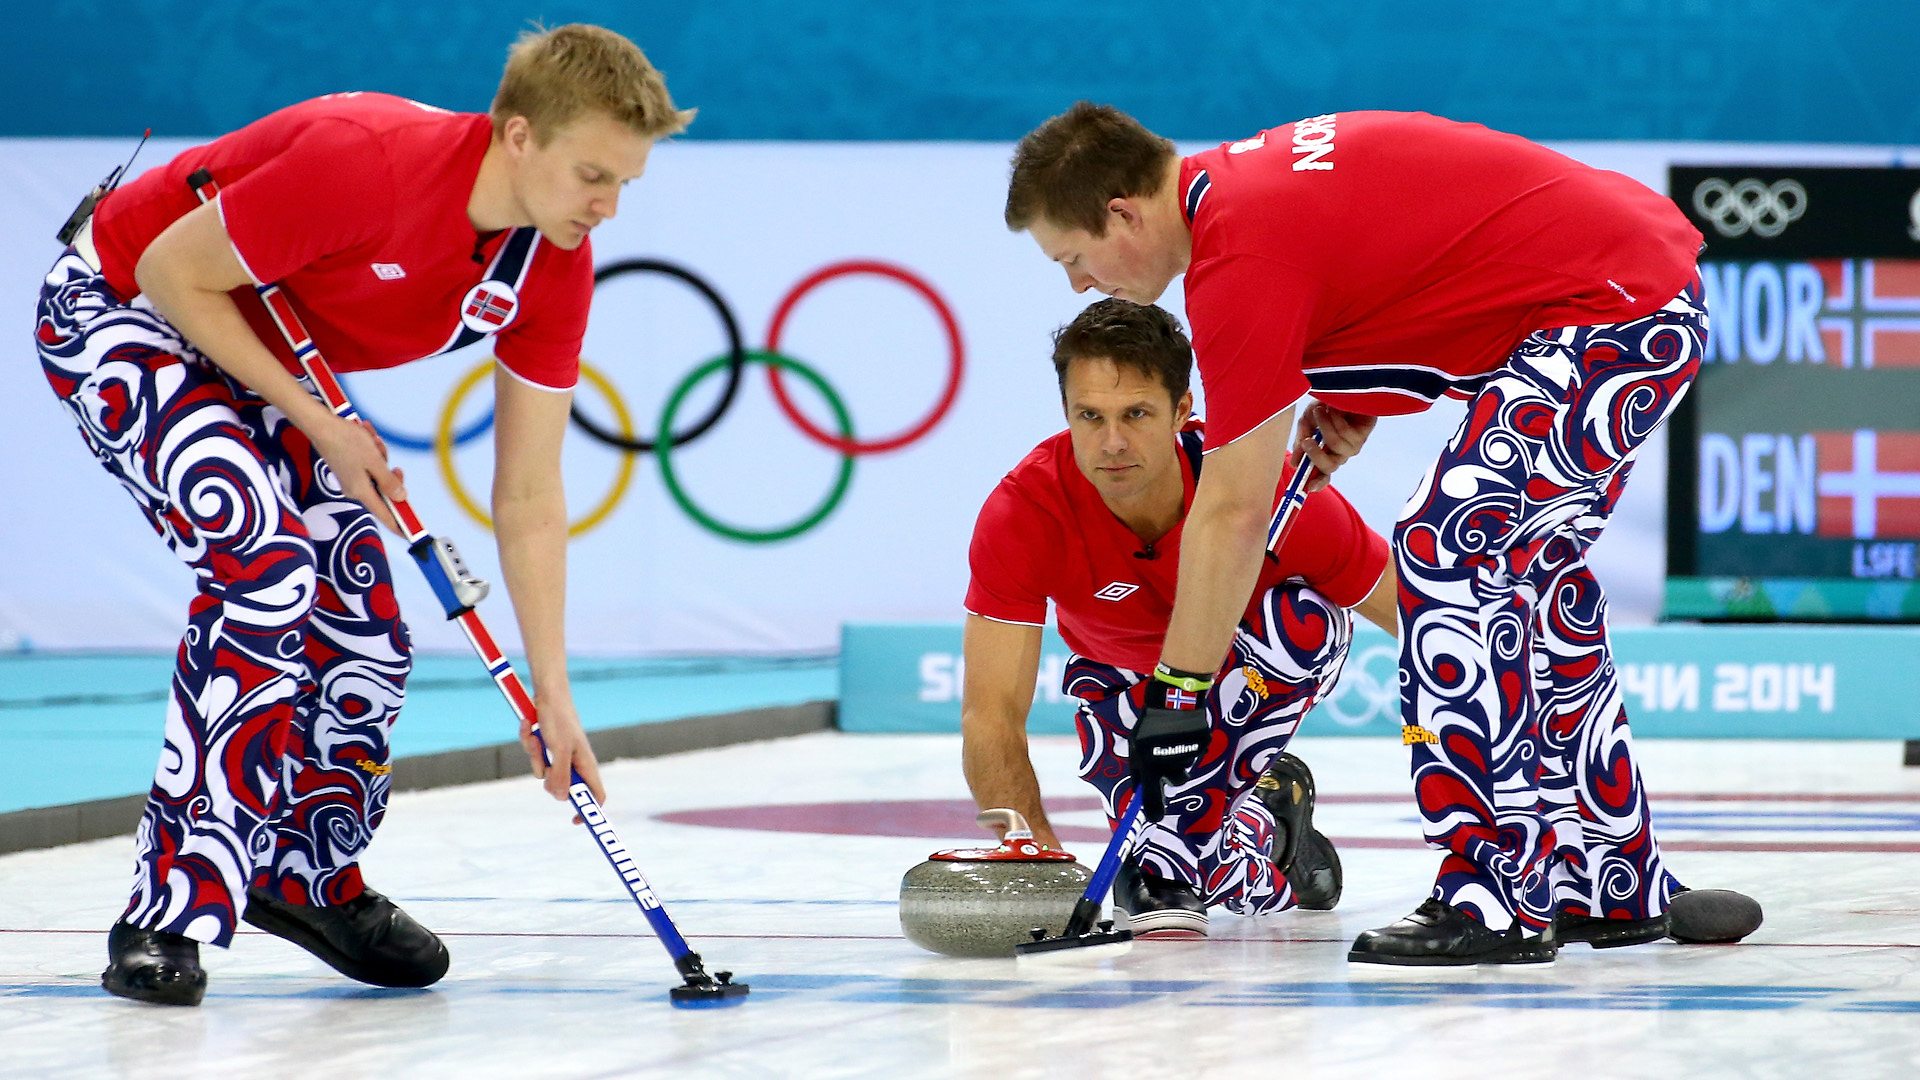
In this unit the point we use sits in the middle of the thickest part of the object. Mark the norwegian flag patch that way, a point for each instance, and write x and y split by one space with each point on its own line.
489 307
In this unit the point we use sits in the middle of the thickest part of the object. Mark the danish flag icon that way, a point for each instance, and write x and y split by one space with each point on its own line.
1869 485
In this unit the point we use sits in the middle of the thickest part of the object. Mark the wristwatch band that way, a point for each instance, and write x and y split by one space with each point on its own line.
1185 680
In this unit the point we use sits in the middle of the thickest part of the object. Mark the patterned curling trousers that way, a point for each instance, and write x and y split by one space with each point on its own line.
1216 836
275 766
1522 765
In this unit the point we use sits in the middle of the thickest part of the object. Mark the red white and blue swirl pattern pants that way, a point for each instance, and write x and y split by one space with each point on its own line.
1522 765
1216 836
275 767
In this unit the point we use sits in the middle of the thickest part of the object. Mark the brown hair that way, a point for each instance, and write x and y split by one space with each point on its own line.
1139 336
1069 168
554 77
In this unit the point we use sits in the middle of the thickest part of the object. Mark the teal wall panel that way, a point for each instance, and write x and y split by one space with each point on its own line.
1749 70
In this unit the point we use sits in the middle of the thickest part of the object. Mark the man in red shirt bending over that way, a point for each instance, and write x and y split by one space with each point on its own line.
1379 261
1092 521
400 231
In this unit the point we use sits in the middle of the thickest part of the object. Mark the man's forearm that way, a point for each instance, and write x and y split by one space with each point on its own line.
1381 605
1000 773
212 322
532 535
1220 553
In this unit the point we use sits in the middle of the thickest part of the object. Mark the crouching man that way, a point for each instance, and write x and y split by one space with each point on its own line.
1091 521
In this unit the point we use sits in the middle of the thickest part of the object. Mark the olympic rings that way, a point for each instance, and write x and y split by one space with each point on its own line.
1750 205
734 532
736 358
404 441
956 359
447 436
1369 687
443 444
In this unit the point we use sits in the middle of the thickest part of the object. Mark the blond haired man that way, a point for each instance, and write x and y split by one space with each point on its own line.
401 231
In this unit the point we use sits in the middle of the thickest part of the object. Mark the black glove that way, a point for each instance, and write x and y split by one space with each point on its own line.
1165 744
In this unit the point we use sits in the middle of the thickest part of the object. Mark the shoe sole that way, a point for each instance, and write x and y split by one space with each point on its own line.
1168 926
1525 953
1296 838
266 918
1319 901
189 994
1290 851
1623 933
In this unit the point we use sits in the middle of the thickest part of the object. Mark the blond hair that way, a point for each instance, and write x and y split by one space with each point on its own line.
554 77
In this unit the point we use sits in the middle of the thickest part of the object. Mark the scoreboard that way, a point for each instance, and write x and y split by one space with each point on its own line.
1795 484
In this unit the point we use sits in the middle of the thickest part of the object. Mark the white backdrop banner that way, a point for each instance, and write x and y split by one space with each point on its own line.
897 293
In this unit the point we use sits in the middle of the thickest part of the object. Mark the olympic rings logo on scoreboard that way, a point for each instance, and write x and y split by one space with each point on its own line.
732 365
1750 206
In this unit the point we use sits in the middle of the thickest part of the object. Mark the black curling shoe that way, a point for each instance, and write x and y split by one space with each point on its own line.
367 938
153 966
1156 907
1439 934
1697 917
1601 933
1302 854
1316 876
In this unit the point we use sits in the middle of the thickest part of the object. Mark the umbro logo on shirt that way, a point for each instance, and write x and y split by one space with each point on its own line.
388 271
1117 590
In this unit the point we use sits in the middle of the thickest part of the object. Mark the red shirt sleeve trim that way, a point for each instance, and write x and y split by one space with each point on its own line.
502 365
1270 418
1377 578
1009 622
1377 554
1356 581
220 207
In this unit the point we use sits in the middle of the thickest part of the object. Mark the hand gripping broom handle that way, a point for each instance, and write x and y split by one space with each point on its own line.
458 591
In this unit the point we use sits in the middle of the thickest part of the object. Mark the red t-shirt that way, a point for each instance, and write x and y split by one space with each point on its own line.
1379 260
1045 534
357 204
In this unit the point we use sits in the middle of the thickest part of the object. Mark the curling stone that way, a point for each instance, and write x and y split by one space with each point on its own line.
1712 916
984 901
